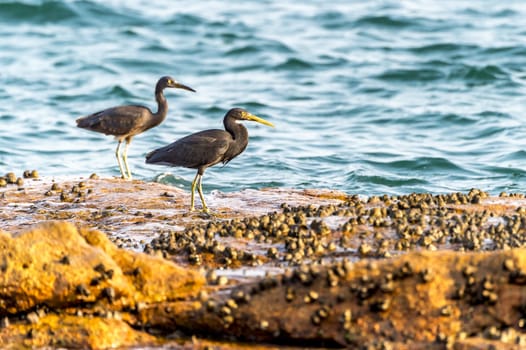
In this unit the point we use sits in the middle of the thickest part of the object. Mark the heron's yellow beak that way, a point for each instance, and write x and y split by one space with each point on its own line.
178 85
254 118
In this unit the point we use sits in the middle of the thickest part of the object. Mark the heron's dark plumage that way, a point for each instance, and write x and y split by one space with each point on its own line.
205 148
118 121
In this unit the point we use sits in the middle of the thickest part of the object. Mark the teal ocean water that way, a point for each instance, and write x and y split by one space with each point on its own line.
368 97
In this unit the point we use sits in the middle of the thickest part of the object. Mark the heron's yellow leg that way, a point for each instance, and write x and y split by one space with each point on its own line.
194 184
125 157
117 154
200 189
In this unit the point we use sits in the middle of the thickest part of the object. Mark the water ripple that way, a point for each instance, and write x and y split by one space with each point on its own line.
479 75
384 21
45 12
405 75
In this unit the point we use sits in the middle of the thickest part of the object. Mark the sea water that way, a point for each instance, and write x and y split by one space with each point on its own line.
367 97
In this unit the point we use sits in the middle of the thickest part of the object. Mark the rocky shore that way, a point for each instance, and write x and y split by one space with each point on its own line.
98 263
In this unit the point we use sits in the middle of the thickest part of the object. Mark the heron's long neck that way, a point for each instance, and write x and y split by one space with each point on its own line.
239 134
162 107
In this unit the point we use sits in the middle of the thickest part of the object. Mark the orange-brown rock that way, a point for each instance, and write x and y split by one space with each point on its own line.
60 268
59 265
66 331
419 298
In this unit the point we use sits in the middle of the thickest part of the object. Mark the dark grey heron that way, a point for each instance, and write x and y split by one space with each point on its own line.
124 122
207 148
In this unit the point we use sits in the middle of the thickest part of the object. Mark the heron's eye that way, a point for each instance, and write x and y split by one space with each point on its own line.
170 81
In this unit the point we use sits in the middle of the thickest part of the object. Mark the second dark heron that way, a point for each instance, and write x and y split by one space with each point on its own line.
207 148
124 122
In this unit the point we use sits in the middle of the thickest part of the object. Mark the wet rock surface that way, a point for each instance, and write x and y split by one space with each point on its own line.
272 267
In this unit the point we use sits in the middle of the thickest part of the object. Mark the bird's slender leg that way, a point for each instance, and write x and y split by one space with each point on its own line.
200 189
125 157
117 154
194 183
